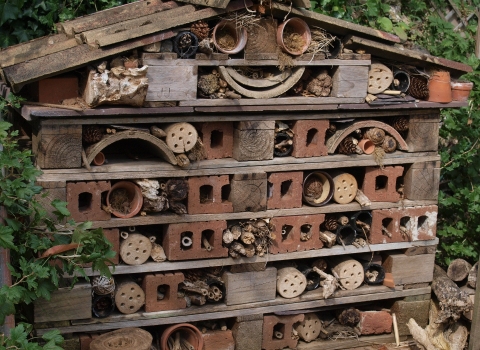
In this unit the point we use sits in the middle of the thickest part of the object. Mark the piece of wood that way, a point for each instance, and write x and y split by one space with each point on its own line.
350 81
159 148
290 282
63 61
421 181
349 271
78 109
253 140
458 270
281 101
309 329
65 304
342 344
259 83
401 267
420 250
474 342
362 199
58 147
404 55
423 132
250 287
124 339
135 249
171 83
129 296
35 48
180 137
46 197
110 16
248 192
262 38
472 276
210 3
345 188
379 78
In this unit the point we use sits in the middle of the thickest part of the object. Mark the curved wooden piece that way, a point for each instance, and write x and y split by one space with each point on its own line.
259 83
334 141
123 339
274 92
160 148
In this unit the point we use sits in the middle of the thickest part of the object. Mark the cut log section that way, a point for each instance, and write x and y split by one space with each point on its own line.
123 339
276 79
472 276
340 134
458 270
129 297
159 147
380 77
310 328
290 282
268 93
135 248
181 137
344 188
349 271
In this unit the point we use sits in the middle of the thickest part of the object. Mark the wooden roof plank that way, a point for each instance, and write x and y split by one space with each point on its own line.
405 55
333 25
210 3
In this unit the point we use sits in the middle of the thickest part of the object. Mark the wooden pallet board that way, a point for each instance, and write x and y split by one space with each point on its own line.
308 300
271 101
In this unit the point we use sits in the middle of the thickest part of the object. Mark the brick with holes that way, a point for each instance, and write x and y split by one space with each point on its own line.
85 200
283 325
217 138
285 190
380 185
205 195
169 282
309 138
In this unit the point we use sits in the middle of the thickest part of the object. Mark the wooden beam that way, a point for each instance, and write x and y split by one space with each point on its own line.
477 36
67 60
210 3
474 343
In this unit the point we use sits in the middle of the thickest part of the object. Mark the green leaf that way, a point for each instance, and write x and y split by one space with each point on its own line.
400 33
8 11
53 335
6 308
385 24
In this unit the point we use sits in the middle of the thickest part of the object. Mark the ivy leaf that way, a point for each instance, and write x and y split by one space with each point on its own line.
6 308
54 336
400 33
8 12
6 237
385 24
61 207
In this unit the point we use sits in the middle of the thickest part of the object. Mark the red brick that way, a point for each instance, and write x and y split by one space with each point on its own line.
375 322
292 198
150 285
389 192
421 226
56 89
93 211
292 241
86 339
249 192
221 146
218 340
173 236
309 145
213 204
285 325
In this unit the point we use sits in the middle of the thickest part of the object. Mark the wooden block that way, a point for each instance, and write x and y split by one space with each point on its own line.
405 310
58 146
253 140
423 132
218 340
240 268
65 304
401 267
250 287
171 83
262 38
249 192
350 81
46 197
210 3
302 3
421 181
420 250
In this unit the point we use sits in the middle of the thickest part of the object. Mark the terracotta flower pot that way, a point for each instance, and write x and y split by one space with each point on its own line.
228 27
367 146
135 197
61 248
187 331
298 26
461 90
324 194
99 159
439 88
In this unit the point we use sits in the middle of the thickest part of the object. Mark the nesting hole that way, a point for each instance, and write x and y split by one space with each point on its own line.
216 139
312 137
286 188
84 201
381 182
287 232
206 194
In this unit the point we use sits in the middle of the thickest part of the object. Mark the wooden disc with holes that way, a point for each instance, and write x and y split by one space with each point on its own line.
379 78
129 297
181 137
135 249
345 188
290 282
309 329
123 339
349 271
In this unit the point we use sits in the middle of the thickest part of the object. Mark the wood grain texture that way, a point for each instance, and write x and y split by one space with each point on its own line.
253 144
273 101
171 83
262 37
65 304
342 344
249 192
46 197
210 3
350 81
250 287
401 267
423 133
421 181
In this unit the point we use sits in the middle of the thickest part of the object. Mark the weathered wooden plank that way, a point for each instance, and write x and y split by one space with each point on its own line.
173 83
331 24
110 16
250 287
421 181
412 57
272 101
192 314
35 48
350 82
423 132
401 267
340 344
257 260
210 3
75 57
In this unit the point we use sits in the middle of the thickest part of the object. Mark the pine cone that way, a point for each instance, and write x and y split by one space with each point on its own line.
418 87
389 144
347 146
400 124
331 223
200 29
92 134
376 135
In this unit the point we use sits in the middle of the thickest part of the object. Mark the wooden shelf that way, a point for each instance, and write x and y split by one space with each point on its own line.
197 264
308 300
117 169
168 218
155 59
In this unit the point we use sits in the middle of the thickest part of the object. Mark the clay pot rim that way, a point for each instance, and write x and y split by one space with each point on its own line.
178 327
366 145
241 37
462 85
136 202
306 34
329 196
99 159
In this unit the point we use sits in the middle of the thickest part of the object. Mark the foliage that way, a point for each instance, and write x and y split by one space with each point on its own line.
27 231
19 340
22 20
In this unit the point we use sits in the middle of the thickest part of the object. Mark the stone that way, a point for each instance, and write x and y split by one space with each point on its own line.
248 333
405 310
375 322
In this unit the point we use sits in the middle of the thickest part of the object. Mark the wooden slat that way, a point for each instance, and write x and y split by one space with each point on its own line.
207 312
325 252
110 16
34 49
405 55
210 3
341 344
276 101
75 57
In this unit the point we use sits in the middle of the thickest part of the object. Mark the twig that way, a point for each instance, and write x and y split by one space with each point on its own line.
469 150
